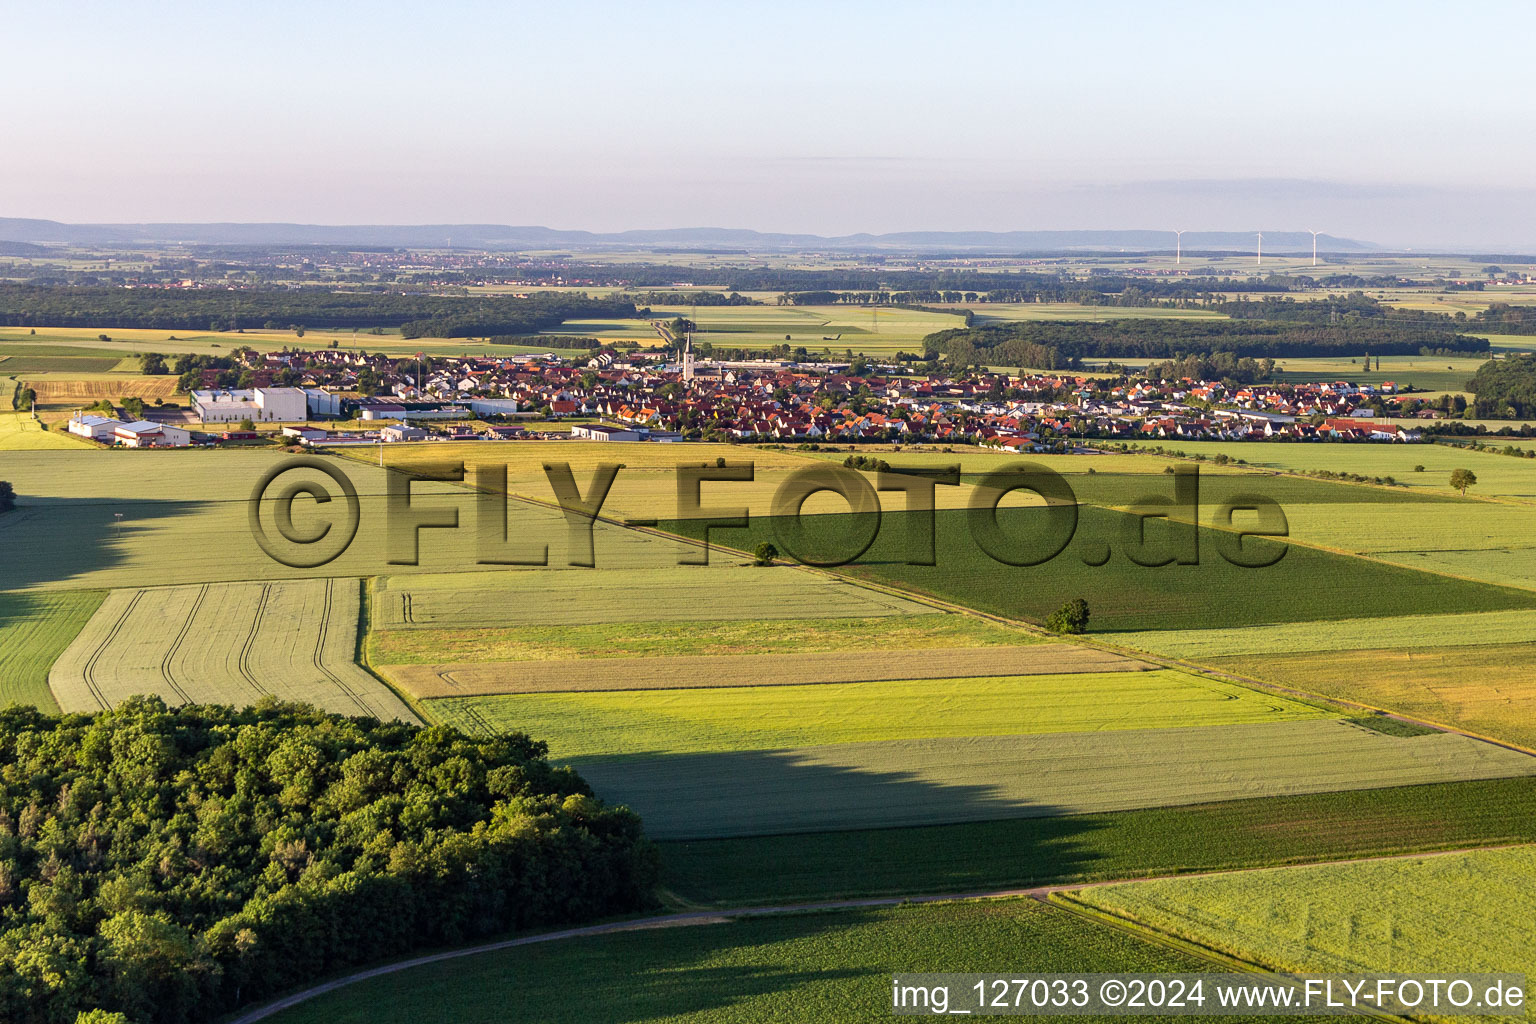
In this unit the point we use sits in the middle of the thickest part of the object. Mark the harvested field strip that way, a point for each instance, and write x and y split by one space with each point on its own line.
1488 690
686 637
622 595
1461 912
34 630
684 672
60 392
608 724
1402 631
936 781
978 856
230 643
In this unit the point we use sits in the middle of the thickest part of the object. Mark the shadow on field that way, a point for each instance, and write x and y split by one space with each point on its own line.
816 789
977 856
51 540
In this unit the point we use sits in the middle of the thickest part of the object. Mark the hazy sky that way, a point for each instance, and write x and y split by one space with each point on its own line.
1402 123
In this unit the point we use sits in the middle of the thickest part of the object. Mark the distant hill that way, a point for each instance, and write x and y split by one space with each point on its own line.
501 236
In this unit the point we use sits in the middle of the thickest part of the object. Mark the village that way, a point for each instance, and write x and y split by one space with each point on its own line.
337 397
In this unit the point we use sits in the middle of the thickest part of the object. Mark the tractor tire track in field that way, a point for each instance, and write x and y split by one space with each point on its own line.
88 673
250 642
1042 893
319 657
175 647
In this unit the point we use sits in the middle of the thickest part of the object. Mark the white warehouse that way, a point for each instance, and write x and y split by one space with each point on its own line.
259 405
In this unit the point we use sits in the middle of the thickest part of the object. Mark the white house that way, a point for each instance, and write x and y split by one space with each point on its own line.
144 434
259 405
97 428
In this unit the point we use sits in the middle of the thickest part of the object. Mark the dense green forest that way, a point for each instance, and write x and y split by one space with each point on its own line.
1502 318
1049 345
443 316
1505 388
173 863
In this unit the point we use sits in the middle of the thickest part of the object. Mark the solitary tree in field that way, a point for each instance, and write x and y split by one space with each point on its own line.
1071 617
764 554
1461 479
7 496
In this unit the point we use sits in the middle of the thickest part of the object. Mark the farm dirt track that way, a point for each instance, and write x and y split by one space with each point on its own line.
471 679
232 643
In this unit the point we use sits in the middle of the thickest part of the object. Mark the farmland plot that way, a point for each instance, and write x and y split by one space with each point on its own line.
1400 632
823 968
34 630
932 781
1304 584
622 595
232 643
1489 690
1436 915
103 518
605 724
678 637
683 671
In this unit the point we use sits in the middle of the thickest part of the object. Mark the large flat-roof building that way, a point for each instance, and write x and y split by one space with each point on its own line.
259 405
97 428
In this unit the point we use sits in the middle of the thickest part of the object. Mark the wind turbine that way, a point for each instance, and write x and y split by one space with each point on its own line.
1178 247
1314 235
1260 253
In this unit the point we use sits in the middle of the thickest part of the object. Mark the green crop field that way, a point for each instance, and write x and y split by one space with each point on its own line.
1487 689
821 330
1427 373
184 519
34 630
717 591
230 643
674 638
1497 475
800 968
615 723
991 855
19 432
456 679
1440 915
62 364
1304 584
1508 566
1450 629
931 781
